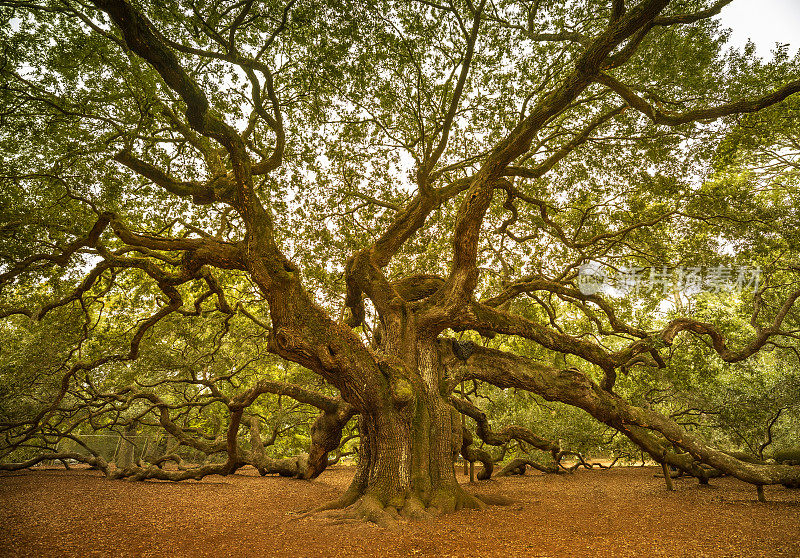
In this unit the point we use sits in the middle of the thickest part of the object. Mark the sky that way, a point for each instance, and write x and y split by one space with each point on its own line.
765 22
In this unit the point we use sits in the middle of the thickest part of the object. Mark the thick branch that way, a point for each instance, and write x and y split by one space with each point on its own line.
482 318
505 434
464 274
705 114
693 17
200 194
88 241
571 386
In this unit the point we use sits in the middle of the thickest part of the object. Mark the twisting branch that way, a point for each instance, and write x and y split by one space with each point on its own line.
482 318
705 114
431 158
463 275
472 453
579 139
571 386
505 434
668 335
61 259
694 17
141 38
771 423
199 193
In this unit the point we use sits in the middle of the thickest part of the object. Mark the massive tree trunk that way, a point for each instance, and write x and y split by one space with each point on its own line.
409 440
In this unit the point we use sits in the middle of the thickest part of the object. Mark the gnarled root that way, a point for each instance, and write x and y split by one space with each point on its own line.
371 508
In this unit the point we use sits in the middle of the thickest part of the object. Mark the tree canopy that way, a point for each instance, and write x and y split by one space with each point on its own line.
273 233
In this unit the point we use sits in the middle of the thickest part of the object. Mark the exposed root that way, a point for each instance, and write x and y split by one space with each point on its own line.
347 499
414 509
369 507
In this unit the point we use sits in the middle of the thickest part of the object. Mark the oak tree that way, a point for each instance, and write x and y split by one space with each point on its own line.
394 201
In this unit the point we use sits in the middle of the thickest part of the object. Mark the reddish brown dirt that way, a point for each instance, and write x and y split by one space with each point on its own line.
617 512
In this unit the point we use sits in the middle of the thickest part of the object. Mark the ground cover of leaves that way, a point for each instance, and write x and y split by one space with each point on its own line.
624 511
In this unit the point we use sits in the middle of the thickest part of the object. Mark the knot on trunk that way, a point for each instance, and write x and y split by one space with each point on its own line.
402 390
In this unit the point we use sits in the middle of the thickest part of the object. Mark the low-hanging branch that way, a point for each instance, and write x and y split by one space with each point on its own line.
505 434
506 370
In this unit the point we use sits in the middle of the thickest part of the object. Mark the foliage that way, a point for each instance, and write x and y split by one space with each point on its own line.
240 225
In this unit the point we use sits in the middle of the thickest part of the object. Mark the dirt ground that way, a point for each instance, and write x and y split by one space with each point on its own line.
623 511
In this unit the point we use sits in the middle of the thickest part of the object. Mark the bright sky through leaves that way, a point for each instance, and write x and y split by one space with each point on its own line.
765 22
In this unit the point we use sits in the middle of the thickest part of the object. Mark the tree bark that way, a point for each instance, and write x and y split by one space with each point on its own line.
409 442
